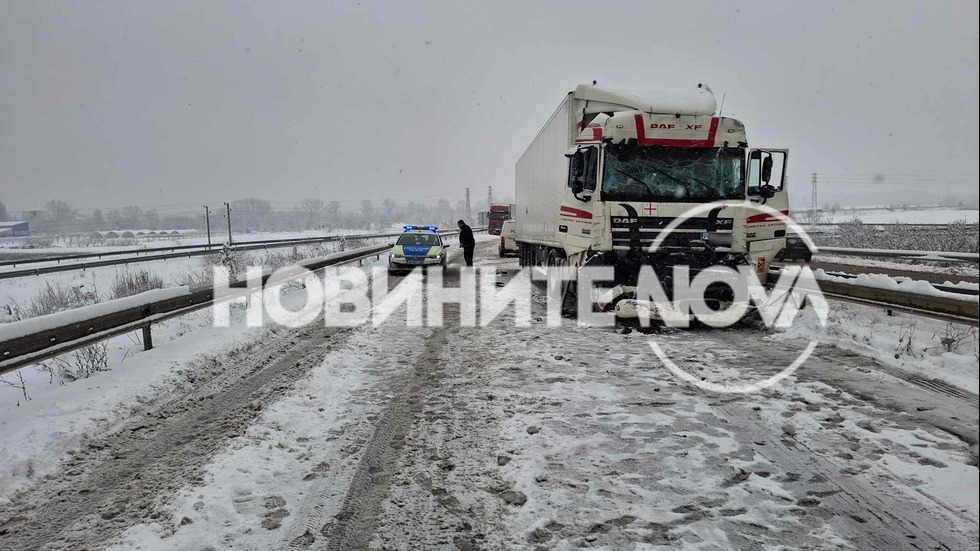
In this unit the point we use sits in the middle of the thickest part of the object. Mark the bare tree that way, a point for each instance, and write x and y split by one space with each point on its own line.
61 216
333 213
313 208
389 209
152 220
60 210
98 220
367 210
131 217
252 213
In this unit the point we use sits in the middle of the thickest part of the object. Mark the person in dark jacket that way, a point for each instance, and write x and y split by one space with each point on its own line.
466 241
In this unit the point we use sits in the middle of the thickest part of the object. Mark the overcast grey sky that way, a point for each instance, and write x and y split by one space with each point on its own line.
107 104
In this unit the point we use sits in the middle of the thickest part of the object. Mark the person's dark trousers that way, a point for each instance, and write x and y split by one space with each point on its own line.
468 255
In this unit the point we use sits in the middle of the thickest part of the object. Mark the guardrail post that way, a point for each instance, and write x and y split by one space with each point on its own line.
147 338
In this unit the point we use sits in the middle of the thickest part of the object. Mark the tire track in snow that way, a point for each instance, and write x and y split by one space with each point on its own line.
126 477
353 526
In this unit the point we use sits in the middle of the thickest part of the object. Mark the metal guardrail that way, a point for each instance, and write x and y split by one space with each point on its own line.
937 307
42 345
935 256
147 250
120 252
39 346
912 225
180 251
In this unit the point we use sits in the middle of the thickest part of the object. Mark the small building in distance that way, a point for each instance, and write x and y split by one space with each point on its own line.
14 229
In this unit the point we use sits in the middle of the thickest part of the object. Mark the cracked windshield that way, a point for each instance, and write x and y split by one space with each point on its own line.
672 174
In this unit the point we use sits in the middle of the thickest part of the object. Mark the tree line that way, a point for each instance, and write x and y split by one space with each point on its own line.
247 215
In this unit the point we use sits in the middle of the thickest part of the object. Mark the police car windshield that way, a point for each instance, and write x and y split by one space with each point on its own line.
427 239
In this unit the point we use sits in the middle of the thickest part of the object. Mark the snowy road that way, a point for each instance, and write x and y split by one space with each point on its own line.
395 437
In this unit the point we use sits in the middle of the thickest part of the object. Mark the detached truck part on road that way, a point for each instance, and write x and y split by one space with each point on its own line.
610 170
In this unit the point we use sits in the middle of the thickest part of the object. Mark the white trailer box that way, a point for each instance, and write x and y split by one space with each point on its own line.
541 173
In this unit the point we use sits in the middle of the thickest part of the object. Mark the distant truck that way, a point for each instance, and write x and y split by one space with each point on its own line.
498 213
610 170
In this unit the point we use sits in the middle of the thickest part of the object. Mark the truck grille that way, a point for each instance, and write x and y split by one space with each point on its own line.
649 228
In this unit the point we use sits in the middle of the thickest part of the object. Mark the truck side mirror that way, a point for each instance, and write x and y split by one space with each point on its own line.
766 169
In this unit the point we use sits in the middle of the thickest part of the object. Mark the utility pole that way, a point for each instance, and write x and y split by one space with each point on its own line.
207 220
469 213
228 216
813 199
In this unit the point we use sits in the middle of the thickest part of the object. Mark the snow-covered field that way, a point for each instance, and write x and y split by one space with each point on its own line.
889 216
18 292
76 245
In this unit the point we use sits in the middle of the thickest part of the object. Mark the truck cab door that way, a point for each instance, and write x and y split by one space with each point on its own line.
577 216
766 184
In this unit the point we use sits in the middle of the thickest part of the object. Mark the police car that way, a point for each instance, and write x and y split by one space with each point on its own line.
418 246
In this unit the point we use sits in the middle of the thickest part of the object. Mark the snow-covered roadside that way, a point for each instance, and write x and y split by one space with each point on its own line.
911 343
36 434
299 455
19 292
888 283
954 270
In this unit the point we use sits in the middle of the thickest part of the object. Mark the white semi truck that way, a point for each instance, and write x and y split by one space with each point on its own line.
610 170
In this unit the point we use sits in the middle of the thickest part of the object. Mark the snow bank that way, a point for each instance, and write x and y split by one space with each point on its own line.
909 343
921 255
888 283
25 327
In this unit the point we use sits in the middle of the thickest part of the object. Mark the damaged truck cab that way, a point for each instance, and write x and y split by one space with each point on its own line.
611 170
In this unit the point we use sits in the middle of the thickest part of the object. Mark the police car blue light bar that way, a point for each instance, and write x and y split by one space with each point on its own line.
430 228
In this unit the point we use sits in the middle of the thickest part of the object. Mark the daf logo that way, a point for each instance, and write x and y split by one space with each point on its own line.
624 220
